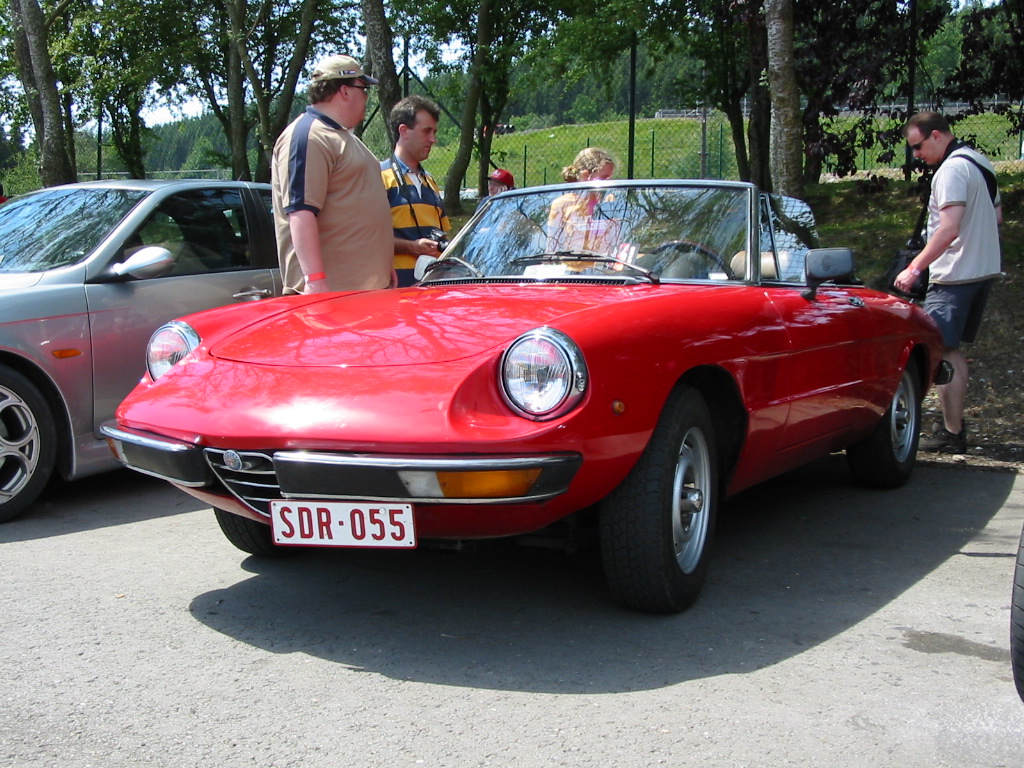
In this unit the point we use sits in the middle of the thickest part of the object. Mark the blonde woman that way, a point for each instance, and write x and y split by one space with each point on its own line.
571 222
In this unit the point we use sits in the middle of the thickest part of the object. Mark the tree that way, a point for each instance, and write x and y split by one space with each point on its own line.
244 59
846 77
992 60
492 37
380 42
35 70
786 134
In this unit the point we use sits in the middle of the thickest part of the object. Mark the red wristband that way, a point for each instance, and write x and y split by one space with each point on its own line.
315 276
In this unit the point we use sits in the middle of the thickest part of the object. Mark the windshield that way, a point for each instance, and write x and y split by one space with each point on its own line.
631 232
59 226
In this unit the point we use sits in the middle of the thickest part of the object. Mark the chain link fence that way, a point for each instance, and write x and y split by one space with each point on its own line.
685 144
677 144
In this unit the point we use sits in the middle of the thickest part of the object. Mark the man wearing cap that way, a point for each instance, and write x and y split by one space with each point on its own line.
499 181
331 216
418 218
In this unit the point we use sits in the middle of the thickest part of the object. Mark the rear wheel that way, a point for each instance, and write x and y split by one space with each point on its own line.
1017 621
657 527
886 458
28 443
250 536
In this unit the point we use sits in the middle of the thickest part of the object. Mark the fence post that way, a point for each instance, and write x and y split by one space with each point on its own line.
652 153
524 184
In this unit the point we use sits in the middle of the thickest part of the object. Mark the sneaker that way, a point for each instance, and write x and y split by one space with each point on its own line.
944 441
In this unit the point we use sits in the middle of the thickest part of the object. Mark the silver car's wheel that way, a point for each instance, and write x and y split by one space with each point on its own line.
27 443
886 458
657 527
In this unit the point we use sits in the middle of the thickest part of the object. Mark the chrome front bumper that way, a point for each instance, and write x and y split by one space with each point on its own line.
258 477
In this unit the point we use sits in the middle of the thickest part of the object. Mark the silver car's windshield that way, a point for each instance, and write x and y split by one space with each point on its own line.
629 232
57 227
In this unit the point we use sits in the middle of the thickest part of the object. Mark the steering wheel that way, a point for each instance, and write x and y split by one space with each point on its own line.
689 248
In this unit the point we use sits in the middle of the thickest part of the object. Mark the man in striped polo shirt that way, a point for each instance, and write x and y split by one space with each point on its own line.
417 211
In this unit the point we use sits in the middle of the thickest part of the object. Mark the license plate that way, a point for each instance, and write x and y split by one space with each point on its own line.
342 524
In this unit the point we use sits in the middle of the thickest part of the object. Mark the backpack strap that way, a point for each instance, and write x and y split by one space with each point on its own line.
990 178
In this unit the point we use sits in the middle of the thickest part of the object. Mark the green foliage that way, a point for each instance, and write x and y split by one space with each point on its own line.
23 176
876 221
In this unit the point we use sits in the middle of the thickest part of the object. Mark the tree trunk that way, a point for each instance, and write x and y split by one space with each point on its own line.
40 82
786 134
380 41
759 121
460 164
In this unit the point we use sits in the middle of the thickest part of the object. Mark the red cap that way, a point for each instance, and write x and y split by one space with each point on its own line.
502 176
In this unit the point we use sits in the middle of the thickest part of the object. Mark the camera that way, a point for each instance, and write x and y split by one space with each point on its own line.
440 237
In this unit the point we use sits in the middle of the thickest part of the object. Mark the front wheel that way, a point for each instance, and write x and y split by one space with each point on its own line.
250 536
1017 621
28 443
657 526
886 457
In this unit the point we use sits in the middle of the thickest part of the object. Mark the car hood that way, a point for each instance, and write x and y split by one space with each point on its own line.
411 326
16 281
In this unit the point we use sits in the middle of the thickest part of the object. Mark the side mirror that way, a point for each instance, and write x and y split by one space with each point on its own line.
151 261
421 266
823 265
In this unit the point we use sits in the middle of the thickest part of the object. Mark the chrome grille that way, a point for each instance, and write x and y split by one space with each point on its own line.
254 483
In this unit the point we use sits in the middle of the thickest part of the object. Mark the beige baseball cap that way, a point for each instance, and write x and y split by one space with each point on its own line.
341 67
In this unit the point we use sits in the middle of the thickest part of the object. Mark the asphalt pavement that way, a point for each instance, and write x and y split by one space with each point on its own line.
839 627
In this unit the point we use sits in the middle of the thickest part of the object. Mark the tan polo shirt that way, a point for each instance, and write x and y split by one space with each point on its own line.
321 166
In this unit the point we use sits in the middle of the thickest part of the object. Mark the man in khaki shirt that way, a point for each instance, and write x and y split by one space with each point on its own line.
331 214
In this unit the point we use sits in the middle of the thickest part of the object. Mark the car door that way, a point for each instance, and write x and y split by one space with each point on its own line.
218 237
827 333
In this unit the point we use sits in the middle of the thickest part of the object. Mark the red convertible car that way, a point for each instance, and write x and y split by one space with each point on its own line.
624 353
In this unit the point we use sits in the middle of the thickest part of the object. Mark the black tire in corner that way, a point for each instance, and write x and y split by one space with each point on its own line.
250 536
28 443
658 525
886 457
1017 621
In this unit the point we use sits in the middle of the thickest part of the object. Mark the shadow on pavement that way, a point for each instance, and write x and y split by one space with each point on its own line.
100 501
797 561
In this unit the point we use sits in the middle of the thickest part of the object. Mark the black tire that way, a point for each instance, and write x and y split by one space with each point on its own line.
886 458
250 536
28 443
1017 621
658 525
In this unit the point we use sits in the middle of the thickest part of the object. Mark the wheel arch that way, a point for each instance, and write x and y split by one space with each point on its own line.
722 395
921 360
61 419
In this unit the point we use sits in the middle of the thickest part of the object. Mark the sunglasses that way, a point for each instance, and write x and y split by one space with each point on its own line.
917 147
360 87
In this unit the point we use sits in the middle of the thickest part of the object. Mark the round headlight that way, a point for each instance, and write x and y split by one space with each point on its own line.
543 374
168 346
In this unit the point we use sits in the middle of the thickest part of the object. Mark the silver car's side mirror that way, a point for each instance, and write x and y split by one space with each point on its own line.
151 261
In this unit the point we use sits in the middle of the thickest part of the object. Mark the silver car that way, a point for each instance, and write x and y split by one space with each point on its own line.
87 272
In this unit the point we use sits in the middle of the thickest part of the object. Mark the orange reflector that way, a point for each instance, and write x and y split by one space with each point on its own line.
487 485
62 354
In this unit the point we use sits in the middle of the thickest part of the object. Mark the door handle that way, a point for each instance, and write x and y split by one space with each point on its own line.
252 294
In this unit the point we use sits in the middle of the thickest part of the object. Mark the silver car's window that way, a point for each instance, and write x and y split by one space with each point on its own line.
788 232
205 231
669 232
58 227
